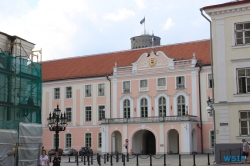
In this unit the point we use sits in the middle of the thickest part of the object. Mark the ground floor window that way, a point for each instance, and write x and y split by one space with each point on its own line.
88 139
244 122
68 140
99 140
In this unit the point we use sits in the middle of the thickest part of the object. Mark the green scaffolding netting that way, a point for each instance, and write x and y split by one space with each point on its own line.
20 91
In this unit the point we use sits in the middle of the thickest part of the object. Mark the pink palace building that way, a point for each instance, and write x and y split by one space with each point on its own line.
153 96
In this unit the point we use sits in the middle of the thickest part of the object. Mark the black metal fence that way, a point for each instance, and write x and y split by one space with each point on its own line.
111 159
231 156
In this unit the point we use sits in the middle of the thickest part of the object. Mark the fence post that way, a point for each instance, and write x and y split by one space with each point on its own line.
107 157
179 160
208 160
194 160
76 159
92 159
164 160
98 159
111 156
150 160
104 158
123 155
84 159
117 159
69 159
88 159
137 164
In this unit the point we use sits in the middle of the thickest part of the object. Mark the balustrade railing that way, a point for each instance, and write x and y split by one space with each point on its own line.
154 119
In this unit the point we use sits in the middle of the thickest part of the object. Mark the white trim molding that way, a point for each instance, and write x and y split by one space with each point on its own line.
156 109
138 109
131 106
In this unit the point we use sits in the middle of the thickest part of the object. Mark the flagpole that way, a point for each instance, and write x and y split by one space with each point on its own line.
144 26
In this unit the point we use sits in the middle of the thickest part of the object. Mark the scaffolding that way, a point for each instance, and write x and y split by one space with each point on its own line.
20 88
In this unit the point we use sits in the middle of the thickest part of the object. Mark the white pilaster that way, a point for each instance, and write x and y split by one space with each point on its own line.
161 138
81 104
114 98
194 93
186 138
94 106
221 60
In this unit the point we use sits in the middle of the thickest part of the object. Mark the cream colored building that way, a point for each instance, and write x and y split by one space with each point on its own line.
231 58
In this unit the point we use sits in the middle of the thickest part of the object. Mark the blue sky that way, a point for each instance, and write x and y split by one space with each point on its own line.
68 28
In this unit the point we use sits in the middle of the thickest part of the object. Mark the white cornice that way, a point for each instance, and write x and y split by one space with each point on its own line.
240 60
228 11
156 72
74 80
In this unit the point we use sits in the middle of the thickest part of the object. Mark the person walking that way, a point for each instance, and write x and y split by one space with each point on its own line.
57 160
44 160
245 149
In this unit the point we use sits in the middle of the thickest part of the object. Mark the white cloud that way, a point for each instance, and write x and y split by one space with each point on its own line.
141 4
50 25
121 14
168 24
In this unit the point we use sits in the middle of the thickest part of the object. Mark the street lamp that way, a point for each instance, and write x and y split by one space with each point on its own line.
210 109
57 121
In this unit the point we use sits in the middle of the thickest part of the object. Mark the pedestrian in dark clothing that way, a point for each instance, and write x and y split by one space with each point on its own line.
57 160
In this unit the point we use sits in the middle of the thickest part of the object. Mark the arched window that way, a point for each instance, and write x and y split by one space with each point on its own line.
126 108
181 105
144 107
68 140
162 106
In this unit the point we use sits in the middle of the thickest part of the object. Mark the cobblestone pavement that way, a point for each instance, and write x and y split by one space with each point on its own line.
158 160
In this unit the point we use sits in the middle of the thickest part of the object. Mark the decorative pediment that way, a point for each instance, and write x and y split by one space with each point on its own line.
149 61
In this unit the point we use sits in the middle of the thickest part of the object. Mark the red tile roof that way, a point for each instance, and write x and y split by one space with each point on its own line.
103 64
238 2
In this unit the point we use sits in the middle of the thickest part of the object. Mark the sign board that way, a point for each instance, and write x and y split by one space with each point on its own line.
223 124
126 140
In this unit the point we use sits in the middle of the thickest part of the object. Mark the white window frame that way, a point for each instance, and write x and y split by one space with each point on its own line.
67 97
162 105
123 88
99 111
86 94
146 106
247 120
67 140
129 114
182 103
163 87
184 82
67 113
237 78
100 88
143 88
99 138
85 113
85 140
208 81
58 94
243 34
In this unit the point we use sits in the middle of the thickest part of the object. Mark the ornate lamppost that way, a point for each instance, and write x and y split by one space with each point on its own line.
210 109
57 122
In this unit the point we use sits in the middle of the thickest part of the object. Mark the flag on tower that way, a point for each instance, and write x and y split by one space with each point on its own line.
142 21
153 37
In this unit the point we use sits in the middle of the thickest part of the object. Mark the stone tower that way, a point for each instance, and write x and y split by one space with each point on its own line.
144 40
